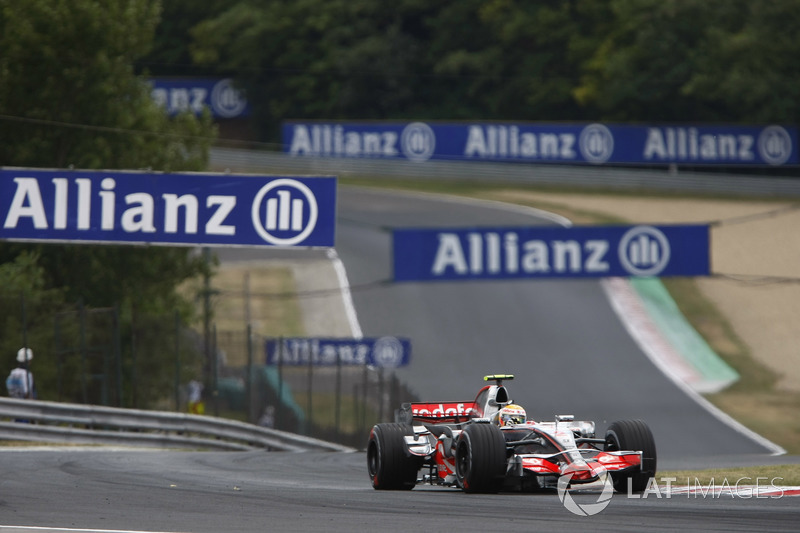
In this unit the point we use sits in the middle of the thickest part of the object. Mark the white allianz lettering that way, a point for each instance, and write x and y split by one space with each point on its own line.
512 252
688 144
70 206
326 139
107 201
301 141
138 217
536 257
746 147
449 254
507 142
215 225
476 144
60 212
567 143
597 250
84 203
475 253
492 254
566 251
172 203
655 146
27 203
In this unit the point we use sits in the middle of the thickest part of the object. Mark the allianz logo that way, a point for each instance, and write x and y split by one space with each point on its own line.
642 251
594 142
300 351
284 212
773 145
135 212
224 99
416 141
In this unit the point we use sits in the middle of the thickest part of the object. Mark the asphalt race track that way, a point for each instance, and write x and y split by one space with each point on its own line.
215 492
561 339
568 350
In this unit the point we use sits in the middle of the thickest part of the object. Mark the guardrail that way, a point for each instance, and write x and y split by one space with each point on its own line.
656 179
40 421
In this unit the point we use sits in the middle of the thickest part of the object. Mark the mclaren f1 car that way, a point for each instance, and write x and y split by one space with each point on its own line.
489 445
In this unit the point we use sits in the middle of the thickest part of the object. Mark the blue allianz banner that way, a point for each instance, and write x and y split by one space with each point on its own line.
219 95
382 352
175 209
541 252
596 144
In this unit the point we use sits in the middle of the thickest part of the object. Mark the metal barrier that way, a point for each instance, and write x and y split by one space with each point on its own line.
656 179
33 420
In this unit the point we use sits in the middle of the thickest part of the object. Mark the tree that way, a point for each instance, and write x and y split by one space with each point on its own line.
68 94
696 60
515 60
171 51
753 63
313 59
608 60
69 97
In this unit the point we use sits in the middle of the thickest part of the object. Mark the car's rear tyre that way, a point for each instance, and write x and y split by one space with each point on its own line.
390 465
632 435
481 458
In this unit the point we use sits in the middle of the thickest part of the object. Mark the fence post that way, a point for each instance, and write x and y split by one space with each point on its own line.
60 363
248 388
365 386
279 418
215 367
28 376
134 377
177 361
357 410
82 315
381 395
310 397
118 354
338 392
208 366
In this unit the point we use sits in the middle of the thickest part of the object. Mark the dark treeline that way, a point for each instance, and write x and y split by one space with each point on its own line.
732 61
72 94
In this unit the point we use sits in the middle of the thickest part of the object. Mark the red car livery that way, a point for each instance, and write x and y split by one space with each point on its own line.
463 444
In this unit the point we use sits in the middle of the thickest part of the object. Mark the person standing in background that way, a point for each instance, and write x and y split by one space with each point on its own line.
19 382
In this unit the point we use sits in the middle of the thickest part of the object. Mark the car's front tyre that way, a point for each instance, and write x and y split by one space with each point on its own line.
481 458
632 435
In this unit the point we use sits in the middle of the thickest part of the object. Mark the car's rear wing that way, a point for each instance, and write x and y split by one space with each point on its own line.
453 412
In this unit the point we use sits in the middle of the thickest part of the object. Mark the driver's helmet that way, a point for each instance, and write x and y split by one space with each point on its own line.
511 414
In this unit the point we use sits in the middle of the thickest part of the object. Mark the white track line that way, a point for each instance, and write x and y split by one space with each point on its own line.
735 491
12 529
347 297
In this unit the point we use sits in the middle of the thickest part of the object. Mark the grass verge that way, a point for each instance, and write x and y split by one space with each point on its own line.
785 475
264 295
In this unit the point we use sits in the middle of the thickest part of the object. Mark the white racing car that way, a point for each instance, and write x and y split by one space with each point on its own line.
489 445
